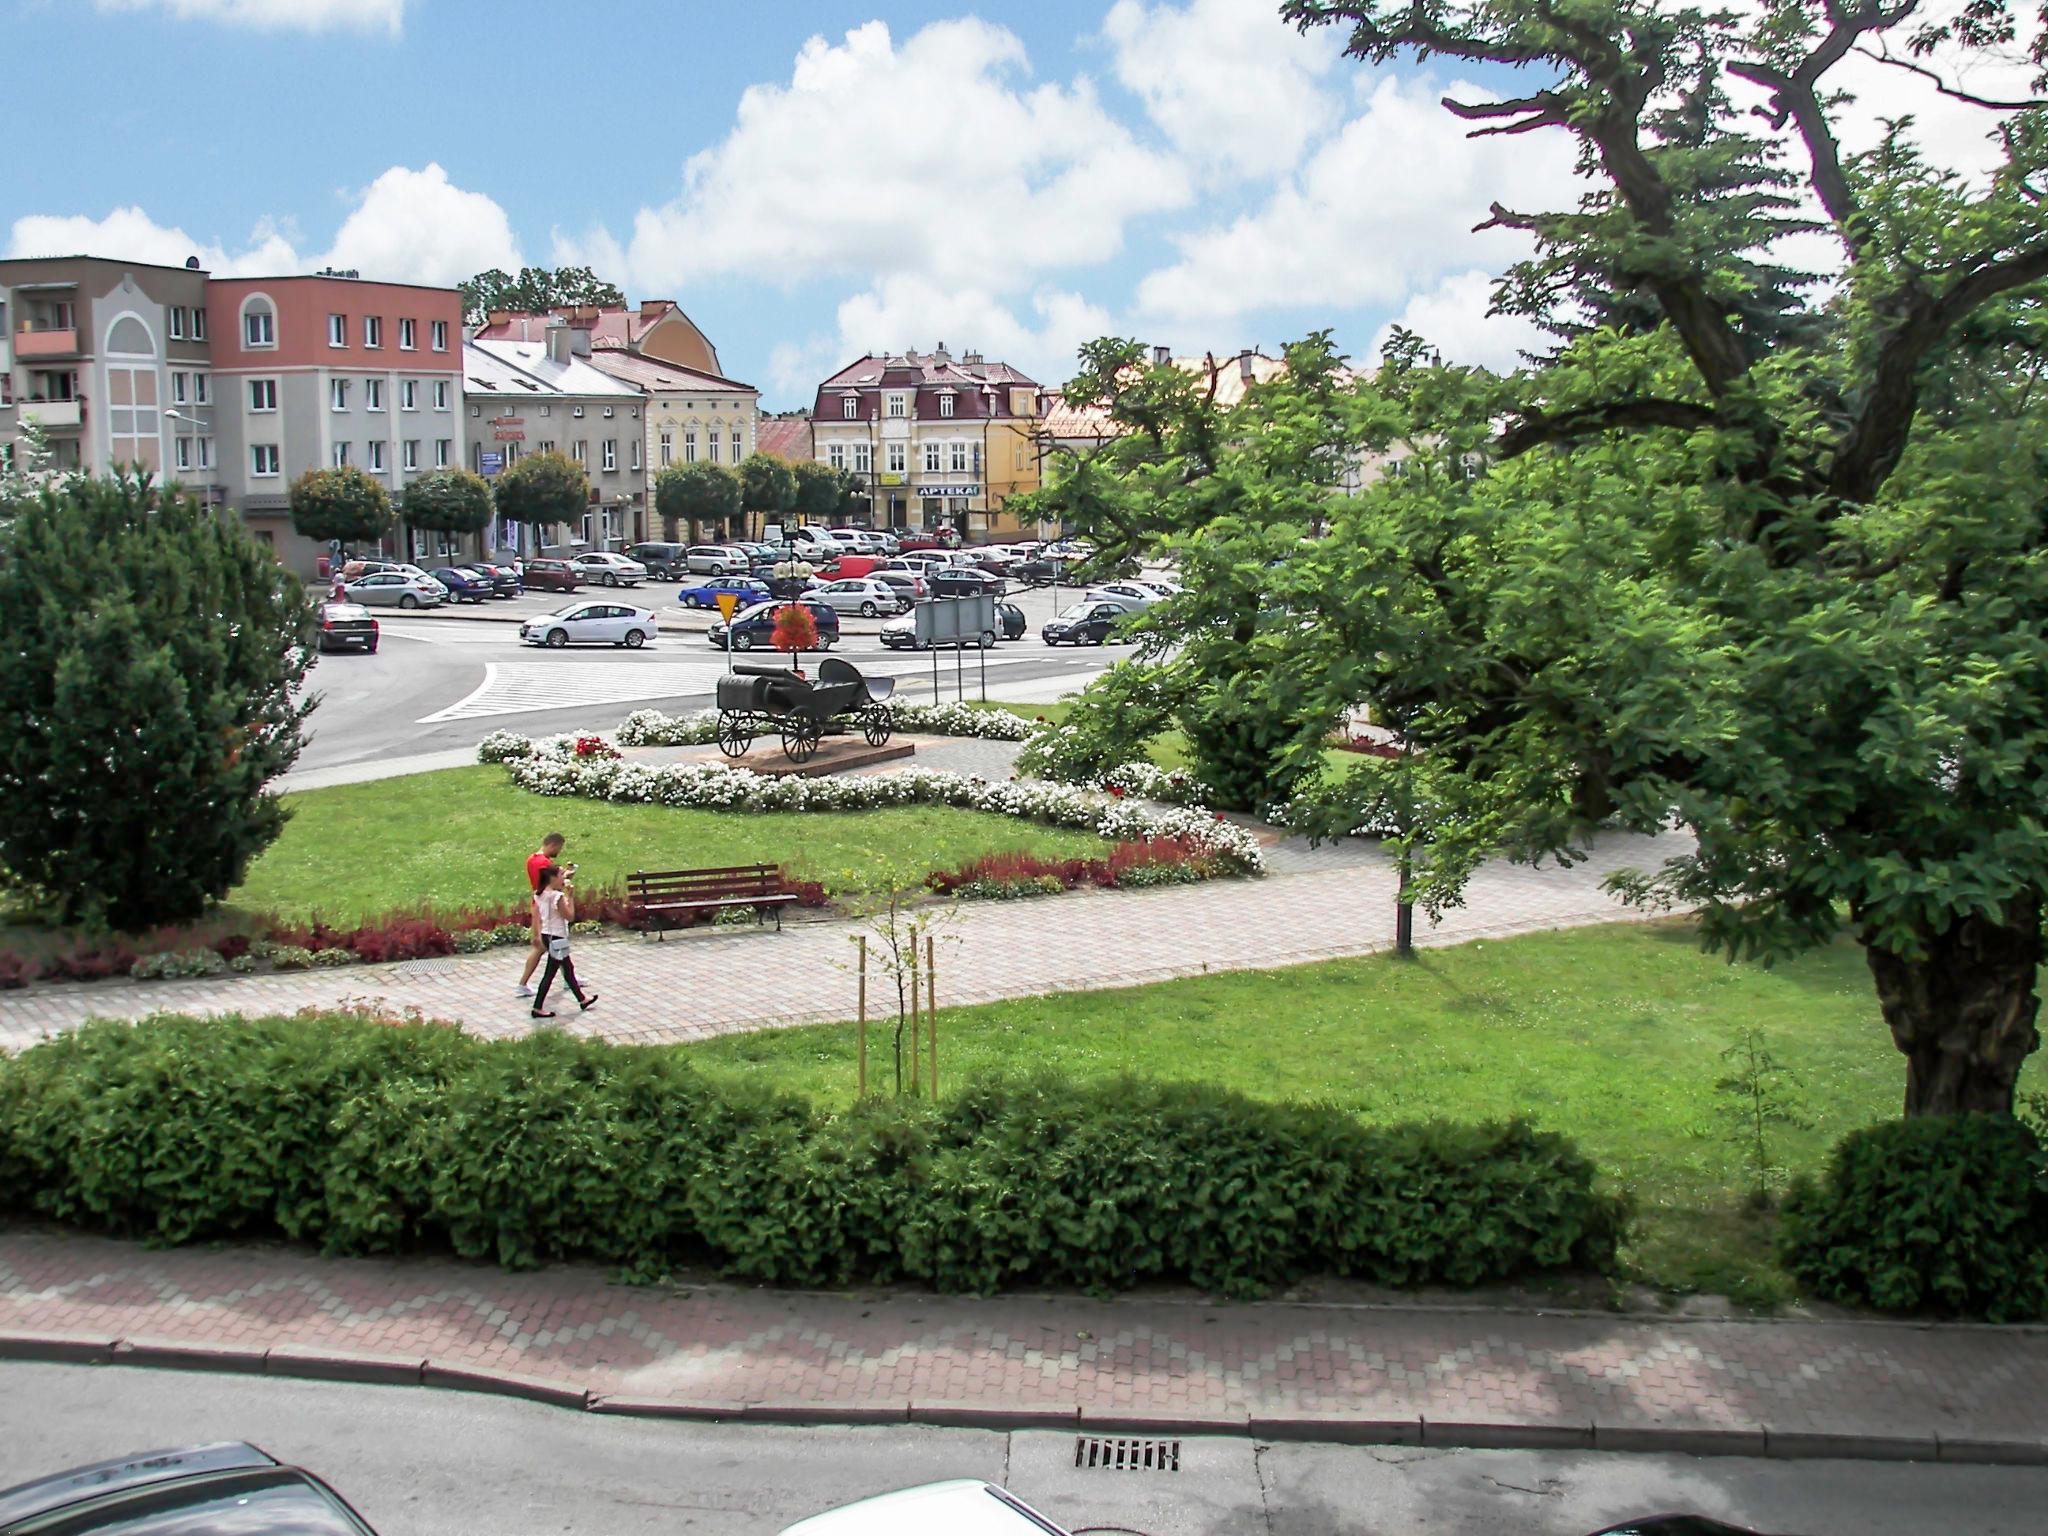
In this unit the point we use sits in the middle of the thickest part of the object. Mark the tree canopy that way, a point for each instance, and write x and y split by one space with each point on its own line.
767 486
817 492
535 289
1759 559
344 504
698 494
448 501
542 489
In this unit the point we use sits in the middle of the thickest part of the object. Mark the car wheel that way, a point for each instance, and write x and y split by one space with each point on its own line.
693 602
988 638
868 610
557 638
611 578
408 601
635 639
743 642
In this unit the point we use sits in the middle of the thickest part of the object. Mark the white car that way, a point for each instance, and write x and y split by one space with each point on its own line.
602 569
856 541
861 594
964 1507
1134 595
590 624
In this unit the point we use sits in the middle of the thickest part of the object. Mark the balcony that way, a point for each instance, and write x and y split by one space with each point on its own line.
53 414
32 340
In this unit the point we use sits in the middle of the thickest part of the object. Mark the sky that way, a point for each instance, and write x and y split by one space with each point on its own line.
811 180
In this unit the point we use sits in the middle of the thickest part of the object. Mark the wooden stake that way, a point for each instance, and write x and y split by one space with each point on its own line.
863 1016
913 1018
931 1011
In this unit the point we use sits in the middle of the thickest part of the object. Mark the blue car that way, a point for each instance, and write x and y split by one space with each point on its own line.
705 594
463 586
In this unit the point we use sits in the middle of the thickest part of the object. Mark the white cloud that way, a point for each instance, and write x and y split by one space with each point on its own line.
935 158
279 15
1381 210
1234 88
407 226
1452 318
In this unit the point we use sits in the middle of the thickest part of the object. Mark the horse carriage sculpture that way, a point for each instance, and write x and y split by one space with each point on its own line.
757 700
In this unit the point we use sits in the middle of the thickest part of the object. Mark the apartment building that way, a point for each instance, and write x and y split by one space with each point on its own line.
112 360
540 396
935 439
329 369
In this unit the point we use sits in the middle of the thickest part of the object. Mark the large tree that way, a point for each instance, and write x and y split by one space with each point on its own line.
703 497
1771 569
534 290
767 487
150 696
818 492
543 490
343 504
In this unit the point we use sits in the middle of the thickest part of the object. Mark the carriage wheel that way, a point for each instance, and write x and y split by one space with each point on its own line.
735 733
874 724
800 734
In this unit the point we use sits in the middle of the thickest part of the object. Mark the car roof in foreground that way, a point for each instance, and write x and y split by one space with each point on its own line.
125 1472
964 1507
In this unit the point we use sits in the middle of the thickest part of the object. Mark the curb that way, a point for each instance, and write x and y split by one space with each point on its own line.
303 1363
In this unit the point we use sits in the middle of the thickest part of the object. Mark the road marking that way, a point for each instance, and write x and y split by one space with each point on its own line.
527 688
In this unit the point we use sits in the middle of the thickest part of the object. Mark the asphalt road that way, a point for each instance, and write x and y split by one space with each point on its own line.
425 1463
441 680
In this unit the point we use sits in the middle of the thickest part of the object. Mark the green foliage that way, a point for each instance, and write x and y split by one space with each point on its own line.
291 957
734 917
473 941
1758 1092
535 290
1110 722
694 494
364 1136
817 490
448 501
542 489
340 504
333 959
1939 1214
149 697
171 964
767 486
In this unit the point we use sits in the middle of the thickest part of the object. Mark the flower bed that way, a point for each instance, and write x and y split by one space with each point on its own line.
652 728
1145 862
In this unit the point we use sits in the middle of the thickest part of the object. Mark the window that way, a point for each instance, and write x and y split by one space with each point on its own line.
607 413
899 405
184 454
263 394
511 454
634 462
835 455
690 446
667 448
440 394
577 413
442 446
373 394
337 394
959 465
440 335
863 458
202 389
712 438
547 410
852 407
896 458
476 410
946 405
259 329
376 456
178 334
545 445
179 381
408 335
409 453
931 458
611 454
735 445
580 450
341 455
337 330
373 331
198 324
263 459
205 451
408 394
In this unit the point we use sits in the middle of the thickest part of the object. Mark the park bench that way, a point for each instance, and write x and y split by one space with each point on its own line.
654 894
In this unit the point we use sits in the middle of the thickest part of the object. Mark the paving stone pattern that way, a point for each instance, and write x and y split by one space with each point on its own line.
1318 904
1336 1371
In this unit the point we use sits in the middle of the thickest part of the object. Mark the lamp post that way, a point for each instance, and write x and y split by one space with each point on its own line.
172 413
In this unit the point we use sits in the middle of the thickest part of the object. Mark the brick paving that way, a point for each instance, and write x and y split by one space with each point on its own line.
1463 1375
1317 904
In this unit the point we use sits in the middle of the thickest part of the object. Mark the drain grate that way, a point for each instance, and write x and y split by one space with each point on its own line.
1111 1453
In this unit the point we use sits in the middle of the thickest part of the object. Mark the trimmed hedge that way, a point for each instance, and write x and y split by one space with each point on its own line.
365 1136
1942 1213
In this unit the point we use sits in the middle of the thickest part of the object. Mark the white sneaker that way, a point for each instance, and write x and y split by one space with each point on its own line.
524 990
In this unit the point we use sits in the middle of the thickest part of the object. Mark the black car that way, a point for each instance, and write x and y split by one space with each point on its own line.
1675 1525
1085 624
754 628
347 627
1042 571
504 579
964 581
664 562
206 1488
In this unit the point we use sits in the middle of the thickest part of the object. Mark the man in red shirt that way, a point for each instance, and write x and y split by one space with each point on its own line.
550 853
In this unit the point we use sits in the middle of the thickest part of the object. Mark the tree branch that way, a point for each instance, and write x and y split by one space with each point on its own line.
1538 427
1955 93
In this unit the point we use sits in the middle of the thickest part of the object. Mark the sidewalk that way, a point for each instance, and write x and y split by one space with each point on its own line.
1317 904
1451 1376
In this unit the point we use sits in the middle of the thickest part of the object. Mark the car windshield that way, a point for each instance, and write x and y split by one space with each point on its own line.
1078 611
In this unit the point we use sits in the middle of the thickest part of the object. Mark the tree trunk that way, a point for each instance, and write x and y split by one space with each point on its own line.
1964 1013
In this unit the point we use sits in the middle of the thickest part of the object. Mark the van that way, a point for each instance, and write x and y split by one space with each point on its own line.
662 560
813 542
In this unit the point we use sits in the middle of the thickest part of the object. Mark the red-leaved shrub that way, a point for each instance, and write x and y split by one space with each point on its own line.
404 938
1015 868
15 971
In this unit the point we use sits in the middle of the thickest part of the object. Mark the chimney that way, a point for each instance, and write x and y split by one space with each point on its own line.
941 356
1244 365
1162 356
579 340
558 342
498 316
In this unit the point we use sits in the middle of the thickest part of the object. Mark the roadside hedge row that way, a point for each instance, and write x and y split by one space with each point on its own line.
363 1136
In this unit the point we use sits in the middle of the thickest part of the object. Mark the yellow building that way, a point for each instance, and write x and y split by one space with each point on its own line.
934 440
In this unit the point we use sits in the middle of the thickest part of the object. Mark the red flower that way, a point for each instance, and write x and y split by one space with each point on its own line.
1116 790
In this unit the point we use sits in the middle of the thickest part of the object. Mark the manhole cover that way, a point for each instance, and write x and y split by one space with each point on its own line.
1112 1454
412 970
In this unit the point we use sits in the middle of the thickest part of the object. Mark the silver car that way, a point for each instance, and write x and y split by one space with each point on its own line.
603 569
1134 595
861 594
592 623
395 589
719 560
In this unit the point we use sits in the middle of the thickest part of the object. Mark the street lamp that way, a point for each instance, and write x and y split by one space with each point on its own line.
172 413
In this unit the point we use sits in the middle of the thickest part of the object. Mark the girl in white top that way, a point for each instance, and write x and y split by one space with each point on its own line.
554 909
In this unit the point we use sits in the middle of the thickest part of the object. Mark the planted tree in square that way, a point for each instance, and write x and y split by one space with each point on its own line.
817 492
703 497
767 487
543 490
451 501
344 505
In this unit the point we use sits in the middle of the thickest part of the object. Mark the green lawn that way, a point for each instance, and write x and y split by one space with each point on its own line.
1611 1034
461 836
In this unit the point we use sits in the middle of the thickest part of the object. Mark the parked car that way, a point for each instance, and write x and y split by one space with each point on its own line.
848 566
861 595
504 578
945 536
919 562
1041 570
602 568
464 586
355 570
752 628
718 560
993 558
665 562
347 627
706 594
548 576
962 581
394 589
813 543
591 623
197 1491
1011 620
761 556
1084 624
856 541
906 583
1134 595
900 634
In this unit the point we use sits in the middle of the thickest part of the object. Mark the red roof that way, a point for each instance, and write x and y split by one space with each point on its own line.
929 376
785 437
652 373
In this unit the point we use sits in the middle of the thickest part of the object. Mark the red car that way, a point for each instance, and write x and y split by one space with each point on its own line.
548 576
928 538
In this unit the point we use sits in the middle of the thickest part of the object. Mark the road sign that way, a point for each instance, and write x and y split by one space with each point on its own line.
728 604
489 463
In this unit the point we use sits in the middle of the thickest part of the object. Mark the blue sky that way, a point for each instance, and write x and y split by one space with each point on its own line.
808 180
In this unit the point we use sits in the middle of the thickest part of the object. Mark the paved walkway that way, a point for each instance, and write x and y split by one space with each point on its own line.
1450 1375
1318 904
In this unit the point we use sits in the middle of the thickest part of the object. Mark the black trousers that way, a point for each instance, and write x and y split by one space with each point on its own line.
566 968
